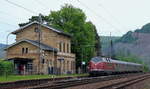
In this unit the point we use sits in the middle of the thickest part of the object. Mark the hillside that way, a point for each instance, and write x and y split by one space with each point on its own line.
105 43
131 37
2 52
136 43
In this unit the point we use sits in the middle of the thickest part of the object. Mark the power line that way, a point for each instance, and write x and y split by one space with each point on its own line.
8 14
98 15
8 24
9 18
41 3
14 26
21 6
100 5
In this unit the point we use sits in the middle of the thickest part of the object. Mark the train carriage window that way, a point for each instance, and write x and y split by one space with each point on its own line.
106 59
96 59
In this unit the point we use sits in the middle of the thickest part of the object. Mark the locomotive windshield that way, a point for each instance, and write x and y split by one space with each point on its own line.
96 59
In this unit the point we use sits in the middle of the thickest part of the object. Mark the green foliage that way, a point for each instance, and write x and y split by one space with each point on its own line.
144 29
73 20
33 18
106 42
85 40
129 59
135 60
6 67
30 77
127 38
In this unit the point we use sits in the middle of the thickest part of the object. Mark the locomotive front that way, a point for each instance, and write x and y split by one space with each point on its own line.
96 66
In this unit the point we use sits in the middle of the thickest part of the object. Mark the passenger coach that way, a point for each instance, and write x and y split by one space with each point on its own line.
104 66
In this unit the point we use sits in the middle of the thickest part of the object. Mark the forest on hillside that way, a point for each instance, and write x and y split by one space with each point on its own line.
134 45
129 38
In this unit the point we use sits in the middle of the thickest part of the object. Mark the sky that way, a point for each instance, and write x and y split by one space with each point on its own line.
109 16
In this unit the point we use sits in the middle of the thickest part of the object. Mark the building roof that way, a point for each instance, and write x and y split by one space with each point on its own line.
35 43
44 25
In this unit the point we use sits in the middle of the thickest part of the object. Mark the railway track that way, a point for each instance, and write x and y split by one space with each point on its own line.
122 83
34 82
80 81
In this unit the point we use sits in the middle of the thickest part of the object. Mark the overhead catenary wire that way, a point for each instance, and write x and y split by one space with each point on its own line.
8 30
7 24
17 5
10 16
112 16
41 4
77 0
43 8
98 15
20 6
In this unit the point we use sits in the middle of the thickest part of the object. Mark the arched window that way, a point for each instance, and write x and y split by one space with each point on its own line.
68 65
26 50
43 60
64 48
68 48
60 48
23 50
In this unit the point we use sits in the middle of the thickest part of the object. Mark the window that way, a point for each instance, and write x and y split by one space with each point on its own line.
29 66
68 48
68 65
60 49
43 61
64 48
71 65
36 29
96 59
26 50
23 50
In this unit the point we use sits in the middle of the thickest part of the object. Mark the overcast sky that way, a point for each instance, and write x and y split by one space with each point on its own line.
115 16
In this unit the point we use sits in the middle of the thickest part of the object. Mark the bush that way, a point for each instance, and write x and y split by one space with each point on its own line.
6 67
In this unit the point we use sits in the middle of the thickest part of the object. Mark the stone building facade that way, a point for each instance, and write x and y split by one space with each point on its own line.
41 49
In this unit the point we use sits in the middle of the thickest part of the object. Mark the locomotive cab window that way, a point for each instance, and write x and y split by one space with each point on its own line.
96 59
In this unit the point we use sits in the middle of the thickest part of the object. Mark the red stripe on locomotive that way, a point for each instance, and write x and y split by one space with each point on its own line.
102 65
108 66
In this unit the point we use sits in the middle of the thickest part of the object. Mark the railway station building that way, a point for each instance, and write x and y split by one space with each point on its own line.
41 49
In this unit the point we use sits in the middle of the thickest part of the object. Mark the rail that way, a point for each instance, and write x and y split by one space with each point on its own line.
79 81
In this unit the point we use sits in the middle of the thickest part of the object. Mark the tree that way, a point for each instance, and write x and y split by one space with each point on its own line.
6 67
85 40
33 18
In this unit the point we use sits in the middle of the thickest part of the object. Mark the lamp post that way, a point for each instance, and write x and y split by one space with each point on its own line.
7 45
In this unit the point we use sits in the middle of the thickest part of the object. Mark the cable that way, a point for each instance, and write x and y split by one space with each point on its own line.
98 15
100 5
14 26
21 6
8 14
8 24
41 3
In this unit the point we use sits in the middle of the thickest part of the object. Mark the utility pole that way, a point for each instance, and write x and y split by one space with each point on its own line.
112 52
7 45
39 38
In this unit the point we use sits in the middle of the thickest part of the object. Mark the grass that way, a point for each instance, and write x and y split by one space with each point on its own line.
27 77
